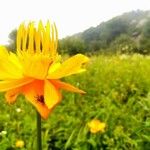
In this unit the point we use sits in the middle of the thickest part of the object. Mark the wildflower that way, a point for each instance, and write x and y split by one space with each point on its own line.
123 57
96 126
3 132
20 144
18 110
36 69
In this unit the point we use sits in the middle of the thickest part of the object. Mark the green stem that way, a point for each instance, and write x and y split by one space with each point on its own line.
39 137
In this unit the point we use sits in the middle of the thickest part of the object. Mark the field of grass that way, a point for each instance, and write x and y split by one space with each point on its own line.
118 94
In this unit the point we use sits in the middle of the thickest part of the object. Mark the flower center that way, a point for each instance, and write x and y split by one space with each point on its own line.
36 66
40 98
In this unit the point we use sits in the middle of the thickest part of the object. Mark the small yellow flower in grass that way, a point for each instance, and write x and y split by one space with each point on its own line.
35 71
96 126
20 144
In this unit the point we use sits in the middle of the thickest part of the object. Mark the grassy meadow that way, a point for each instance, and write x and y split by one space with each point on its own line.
117 93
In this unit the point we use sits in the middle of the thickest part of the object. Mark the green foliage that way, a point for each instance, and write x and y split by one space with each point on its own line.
118 93
71 46
145 39
123 44
12 40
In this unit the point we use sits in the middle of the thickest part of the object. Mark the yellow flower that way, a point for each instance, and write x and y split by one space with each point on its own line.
36 69
96 126
19 144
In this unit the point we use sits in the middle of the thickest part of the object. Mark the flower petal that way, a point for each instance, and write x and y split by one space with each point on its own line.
66 86
51 94
12 84
10 66
11 95
71 66
31 92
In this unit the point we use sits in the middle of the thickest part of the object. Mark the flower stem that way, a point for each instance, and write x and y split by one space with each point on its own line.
39 137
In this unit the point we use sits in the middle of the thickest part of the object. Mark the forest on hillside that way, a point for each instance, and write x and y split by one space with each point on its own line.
127 33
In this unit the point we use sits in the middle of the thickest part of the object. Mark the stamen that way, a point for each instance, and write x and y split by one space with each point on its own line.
42 39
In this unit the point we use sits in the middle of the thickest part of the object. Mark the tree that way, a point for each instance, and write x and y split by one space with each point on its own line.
12 40
123 44
145 39
72 46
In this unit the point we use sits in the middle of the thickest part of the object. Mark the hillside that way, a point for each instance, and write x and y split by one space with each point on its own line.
128 32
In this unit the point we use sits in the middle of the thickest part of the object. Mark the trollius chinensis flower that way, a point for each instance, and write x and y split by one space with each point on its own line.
36 68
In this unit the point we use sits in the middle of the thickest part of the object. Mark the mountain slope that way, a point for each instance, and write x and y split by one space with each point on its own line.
128 26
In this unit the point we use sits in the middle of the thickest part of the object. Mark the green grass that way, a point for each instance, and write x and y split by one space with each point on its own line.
118 93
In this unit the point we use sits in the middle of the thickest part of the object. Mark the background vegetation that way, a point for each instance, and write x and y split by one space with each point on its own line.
118 93
127 33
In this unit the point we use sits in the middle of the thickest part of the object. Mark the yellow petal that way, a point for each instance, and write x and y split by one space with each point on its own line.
10 67
25 39
71 66
33 92
31 38
3 52
11 95
41 32
46 37
12 84
56 36
66 86
37 42
19 38
54 67
15 62
51 94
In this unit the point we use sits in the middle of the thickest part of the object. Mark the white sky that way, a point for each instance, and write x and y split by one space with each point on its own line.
70 16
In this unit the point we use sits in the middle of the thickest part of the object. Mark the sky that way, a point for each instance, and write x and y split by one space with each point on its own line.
70 16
